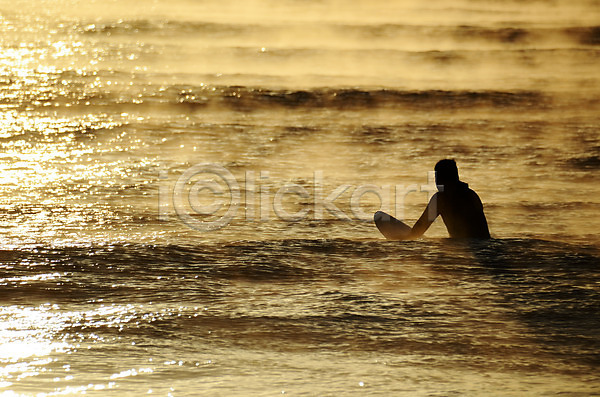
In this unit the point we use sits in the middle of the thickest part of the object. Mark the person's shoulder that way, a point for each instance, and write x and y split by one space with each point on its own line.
471 191
473 195
436 196
436 199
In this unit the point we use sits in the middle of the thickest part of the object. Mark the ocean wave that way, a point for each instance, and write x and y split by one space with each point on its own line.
245 98
459 32
585 163
248 98
163 27
585 35
282 257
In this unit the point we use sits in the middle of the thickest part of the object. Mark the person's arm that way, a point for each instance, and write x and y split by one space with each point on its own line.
429 215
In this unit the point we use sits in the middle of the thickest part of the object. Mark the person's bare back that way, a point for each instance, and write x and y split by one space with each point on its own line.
460 207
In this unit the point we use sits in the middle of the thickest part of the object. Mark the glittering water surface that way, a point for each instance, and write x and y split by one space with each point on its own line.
107 106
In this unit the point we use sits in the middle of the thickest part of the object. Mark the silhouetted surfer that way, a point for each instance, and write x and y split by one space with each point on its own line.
459 206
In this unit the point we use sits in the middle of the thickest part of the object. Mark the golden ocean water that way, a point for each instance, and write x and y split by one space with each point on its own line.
187 190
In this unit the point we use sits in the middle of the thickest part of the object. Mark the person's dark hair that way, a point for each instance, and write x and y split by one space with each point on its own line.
446 172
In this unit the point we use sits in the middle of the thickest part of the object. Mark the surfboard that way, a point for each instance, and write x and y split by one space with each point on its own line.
390 227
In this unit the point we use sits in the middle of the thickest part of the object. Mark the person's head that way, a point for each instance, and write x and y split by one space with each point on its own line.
446 172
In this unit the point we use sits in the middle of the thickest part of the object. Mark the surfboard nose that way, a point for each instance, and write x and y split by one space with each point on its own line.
390 227
380 216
